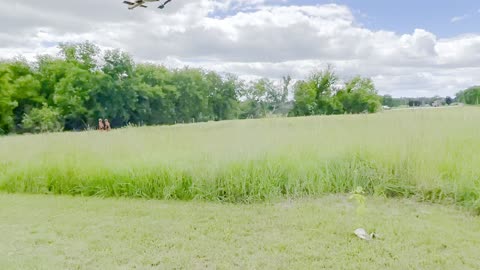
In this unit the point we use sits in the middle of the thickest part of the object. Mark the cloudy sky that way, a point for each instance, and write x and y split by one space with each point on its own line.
408 47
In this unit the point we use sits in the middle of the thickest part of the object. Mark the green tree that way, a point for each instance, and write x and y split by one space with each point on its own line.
276 96
45 119
316 94
260 96
388 100
305 99
158 94
222 96
71 95
284 106
359 95
115 95
324 84
469 96
83 55
49 72
25 87
448 100
192 102
7 104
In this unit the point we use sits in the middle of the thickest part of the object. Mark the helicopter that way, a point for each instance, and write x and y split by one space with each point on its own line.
141 3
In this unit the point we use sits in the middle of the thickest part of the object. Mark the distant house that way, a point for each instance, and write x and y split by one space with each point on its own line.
438 103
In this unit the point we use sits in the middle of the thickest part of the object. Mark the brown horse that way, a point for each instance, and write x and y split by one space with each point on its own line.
107 125
101 126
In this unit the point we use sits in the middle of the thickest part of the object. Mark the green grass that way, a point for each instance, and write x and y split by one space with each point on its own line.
56 232
432 155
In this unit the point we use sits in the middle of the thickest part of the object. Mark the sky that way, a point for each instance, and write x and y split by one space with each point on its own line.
444 18
408 48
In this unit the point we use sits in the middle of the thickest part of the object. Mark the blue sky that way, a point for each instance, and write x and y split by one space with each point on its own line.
404 16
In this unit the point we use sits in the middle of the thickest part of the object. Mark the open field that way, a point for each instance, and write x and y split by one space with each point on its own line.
56 232
432 155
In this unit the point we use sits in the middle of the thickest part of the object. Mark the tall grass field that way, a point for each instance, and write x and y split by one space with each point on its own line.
429 154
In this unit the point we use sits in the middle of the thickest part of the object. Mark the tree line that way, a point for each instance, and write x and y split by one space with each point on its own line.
389 101
73 90
469 96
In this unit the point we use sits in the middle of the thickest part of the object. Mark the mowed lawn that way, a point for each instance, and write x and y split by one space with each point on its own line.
57 232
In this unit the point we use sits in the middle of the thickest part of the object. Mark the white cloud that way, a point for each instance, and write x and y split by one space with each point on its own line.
249 38
459 18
